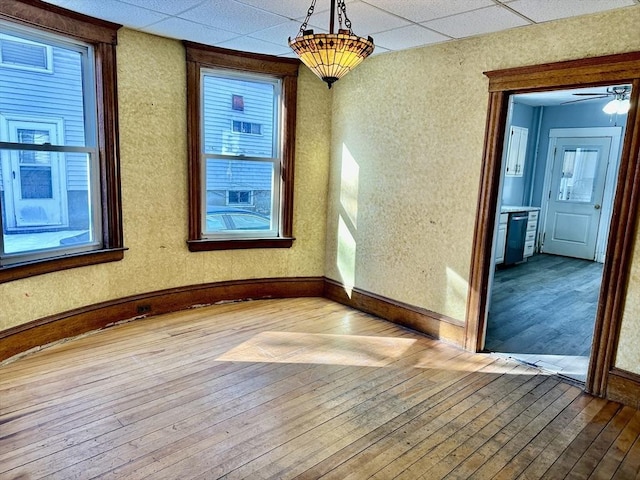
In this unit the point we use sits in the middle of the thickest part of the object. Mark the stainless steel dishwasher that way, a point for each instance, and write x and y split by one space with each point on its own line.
516 234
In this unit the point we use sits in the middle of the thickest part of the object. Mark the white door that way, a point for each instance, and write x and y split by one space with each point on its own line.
36 192
575 200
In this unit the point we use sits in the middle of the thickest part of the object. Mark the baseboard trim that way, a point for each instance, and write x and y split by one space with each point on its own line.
93 317
624 387
419 319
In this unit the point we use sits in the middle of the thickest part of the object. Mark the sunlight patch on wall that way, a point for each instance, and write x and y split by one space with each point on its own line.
456 295
347 221
346 256
291 347
349 183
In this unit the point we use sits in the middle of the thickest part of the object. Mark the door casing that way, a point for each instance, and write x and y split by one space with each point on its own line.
594 71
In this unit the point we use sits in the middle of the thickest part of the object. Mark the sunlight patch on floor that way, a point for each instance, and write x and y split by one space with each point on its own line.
290 347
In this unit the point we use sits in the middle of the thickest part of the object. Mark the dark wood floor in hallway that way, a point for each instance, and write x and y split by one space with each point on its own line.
297 388
544 306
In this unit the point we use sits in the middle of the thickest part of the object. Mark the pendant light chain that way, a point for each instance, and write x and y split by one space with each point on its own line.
303 27
342 10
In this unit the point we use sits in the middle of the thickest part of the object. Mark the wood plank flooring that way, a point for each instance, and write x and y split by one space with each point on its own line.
544 306
297 388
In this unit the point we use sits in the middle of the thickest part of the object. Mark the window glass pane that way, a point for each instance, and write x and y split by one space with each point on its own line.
578 175
19 53
229 131
45 207
46 196
239 195
31 93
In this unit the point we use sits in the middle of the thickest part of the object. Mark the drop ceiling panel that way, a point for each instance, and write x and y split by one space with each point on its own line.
546 10
169 7
293 9
280 34
114 11
232 16
484 20
248 44
365 19
394 24
421 11
407 37
182 29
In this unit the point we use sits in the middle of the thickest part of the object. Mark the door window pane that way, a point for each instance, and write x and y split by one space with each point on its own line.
578 175
35 182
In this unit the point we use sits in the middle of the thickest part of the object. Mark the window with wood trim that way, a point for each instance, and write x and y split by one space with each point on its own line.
59 184
241 178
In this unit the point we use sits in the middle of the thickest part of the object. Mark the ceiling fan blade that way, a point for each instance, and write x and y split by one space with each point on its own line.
602 94
584 99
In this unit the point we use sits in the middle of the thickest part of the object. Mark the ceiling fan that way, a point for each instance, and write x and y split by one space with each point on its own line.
620 93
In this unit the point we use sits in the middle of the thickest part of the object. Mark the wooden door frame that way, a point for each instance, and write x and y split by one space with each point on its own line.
606 70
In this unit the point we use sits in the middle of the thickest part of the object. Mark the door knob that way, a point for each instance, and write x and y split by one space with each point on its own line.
597 206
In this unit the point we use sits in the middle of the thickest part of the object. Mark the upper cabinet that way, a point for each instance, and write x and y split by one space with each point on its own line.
516 151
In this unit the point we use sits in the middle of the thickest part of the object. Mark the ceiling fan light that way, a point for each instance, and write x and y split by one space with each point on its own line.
612 107
623 106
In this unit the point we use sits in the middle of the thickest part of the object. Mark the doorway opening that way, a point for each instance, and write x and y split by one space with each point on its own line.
603 377
558 179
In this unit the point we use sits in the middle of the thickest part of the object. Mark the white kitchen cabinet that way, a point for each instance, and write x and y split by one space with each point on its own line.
501 241
532 229
516 151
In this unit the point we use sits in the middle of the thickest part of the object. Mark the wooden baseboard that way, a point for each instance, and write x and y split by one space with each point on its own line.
93 317
419 319
623 387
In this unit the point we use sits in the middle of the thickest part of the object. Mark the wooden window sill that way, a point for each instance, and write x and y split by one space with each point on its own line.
206 245
17 271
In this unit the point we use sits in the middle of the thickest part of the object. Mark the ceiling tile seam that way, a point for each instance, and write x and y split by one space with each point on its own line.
434 18
478 34
411 22
515 12
210 27
168 15
267 11
299 18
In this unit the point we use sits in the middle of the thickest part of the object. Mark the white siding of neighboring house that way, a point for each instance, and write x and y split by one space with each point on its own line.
238 175
55 95
220 138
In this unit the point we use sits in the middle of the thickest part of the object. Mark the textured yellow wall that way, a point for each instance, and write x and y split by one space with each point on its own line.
408 132
152 108
405 136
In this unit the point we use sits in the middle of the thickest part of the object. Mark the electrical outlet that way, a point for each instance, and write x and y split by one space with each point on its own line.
144 309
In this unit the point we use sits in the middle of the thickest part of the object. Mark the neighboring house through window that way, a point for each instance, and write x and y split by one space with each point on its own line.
241 152
239 197
20 53
59 189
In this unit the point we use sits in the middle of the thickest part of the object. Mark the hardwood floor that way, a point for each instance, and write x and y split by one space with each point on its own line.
297 388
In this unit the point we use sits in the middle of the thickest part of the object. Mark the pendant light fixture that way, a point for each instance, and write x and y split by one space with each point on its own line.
331 55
